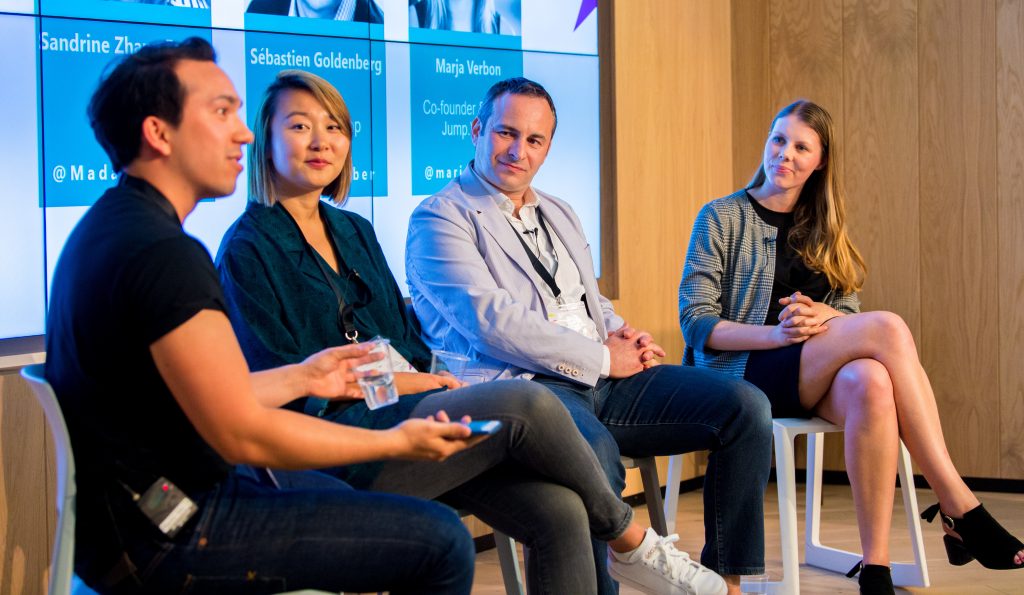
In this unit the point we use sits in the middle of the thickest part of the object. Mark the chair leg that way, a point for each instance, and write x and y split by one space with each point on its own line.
652 494
815 461
675 474
785 478
910 574
785 481
816 554
509 561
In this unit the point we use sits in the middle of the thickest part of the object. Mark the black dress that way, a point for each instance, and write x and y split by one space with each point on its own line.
777 371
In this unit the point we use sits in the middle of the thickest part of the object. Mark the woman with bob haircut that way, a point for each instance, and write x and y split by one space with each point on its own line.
769 294
299 272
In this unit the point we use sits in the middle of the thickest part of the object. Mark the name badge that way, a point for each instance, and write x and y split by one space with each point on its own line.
572 316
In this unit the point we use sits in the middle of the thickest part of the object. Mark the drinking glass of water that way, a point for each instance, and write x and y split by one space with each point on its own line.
377 379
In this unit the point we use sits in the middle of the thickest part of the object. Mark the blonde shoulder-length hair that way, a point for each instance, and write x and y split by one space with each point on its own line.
262 175
819 233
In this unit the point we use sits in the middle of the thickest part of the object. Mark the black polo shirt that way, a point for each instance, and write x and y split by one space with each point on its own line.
127 276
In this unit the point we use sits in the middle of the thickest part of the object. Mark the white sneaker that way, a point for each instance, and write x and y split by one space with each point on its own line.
658 568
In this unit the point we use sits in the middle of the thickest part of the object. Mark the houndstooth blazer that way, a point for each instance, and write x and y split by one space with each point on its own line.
730 266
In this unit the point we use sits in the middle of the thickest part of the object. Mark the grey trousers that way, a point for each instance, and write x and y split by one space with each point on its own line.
536 480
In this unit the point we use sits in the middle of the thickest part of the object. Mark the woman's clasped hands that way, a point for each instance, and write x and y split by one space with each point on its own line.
801 319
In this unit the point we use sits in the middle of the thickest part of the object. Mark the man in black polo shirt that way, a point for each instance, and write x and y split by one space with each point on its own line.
159 400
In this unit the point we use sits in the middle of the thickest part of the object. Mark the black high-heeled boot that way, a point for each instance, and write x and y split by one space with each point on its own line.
982 538
874 579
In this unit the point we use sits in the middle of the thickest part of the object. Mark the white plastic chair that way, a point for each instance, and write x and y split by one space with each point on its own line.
62 577
904 574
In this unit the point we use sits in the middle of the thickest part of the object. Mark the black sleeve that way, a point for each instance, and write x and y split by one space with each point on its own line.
164 286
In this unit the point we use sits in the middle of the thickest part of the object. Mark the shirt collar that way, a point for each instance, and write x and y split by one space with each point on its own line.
280 224
150 193
505 203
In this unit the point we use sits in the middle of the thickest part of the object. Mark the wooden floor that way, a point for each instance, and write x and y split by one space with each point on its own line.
839 529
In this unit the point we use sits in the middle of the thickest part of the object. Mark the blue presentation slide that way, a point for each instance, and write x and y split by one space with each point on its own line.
412 74
282 23
22 298
74 53
446 85
355 67
165 12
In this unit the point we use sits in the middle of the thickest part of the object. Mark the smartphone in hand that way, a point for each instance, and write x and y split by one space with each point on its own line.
483 428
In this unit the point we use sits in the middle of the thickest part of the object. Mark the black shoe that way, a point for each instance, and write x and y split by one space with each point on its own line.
982 538
874 579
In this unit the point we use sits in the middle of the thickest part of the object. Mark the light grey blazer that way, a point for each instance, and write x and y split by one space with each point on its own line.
476 293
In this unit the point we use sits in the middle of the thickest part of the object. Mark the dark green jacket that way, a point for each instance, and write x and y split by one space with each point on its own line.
282 308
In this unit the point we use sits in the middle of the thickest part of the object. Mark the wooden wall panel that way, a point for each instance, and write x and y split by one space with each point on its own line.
1010 255
880 150
673 134
751 86
25 500
674 148
959 318
806 55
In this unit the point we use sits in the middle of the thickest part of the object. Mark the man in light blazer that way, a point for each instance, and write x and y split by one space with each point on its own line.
501 272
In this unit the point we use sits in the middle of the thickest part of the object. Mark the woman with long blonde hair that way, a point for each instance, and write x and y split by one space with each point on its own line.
769 293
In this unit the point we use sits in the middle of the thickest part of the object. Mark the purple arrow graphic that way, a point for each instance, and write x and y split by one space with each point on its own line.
586 7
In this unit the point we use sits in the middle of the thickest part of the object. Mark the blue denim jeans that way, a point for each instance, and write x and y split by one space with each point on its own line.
667 410
319 533
535 480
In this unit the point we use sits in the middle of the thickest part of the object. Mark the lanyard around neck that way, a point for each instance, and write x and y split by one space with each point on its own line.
534 260
346 311
539 266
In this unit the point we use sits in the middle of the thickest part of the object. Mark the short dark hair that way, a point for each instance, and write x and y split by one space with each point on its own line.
143 84
514 86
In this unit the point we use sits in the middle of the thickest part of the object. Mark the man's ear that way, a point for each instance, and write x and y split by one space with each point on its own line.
156 135
475 128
